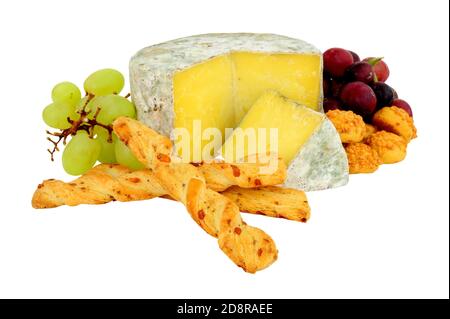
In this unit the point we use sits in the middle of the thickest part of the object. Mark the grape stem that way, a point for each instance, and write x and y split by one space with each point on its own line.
374 61
82 124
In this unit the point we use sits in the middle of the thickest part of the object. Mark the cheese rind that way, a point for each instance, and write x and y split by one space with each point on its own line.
321 163
152 69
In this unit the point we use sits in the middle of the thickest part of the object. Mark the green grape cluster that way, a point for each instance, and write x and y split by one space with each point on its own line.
88 121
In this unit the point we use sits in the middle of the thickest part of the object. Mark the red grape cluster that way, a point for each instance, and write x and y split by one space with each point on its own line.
359 86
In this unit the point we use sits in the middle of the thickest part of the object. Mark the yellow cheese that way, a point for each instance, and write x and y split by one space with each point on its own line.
292 123
204 92
220 91
296 76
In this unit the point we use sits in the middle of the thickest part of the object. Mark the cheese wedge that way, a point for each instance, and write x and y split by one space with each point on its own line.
214 79
305 139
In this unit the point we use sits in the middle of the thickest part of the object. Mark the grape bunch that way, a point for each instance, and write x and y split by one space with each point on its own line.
350 83
87 122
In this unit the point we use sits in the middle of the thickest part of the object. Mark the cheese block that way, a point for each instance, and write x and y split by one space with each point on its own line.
215 78
304 138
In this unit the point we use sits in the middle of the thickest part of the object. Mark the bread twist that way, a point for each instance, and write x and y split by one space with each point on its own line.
247 246
110 182
101 184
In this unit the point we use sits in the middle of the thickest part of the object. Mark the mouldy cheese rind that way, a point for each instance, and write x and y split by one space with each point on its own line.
321 163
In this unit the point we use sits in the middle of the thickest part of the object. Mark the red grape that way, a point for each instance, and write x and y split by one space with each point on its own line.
360 71
403 105
331 104
395 94
336 60
355 56
380 68
336 87
326 85
384 93
359 97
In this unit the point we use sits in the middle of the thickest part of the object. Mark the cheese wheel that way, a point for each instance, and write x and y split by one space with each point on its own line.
191 84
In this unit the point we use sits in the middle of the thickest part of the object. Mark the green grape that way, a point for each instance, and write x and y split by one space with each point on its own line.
125 157
80 154
104 82
107 153
111 107
56 114
66 92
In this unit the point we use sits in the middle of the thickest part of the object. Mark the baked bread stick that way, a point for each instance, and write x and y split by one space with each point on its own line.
113 182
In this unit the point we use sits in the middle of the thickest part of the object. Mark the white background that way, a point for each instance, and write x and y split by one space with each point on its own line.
384 235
